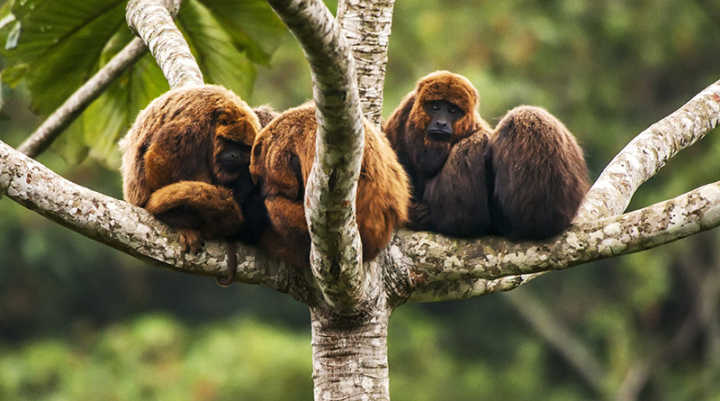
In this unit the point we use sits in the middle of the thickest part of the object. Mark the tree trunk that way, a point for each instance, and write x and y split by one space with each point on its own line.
366 28
350 356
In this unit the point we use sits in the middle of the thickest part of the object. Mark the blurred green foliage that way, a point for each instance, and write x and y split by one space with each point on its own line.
608 69
54 46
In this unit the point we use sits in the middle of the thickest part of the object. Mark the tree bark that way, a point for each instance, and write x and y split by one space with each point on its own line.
152 20
442 268
648 152
366 26
350 355
132 229
336 251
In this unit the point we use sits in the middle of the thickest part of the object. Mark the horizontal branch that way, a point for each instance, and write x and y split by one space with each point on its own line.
153 21
126 227
336 251
61 118
648 153
443 268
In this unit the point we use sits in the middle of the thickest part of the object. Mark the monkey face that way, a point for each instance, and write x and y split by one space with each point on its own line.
274 167
235 131
441 116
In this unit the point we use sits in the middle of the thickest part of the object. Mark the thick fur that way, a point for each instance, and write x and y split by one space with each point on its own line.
539 175
281 160
450 192
265 114
171 163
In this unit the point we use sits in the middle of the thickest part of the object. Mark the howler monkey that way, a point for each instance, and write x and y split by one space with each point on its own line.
524 180
186 161
441 141
281 159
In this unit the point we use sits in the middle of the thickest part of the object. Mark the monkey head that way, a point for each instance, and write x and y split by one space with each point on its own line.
442 114
235 128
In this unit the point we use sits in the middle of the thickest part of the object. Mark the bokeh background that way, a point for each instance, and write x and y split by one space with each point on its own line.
81 321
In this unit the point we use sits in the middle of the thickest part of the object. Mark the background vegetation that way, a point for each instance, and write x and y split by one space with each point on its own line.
80 321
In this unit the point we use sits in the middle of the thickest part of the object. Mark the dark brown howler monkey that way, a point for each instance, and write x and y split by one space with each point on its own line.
525 180
282 156
441 141
539 175
186 161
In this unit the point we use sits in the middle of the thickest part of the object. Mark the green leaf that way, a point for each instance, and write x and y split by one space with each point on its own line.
60 41
109 117
253 25
71 144
221 63
57 45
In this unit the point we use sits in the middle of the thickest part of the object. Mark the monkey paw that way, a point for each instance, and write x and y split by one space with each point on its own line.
190 240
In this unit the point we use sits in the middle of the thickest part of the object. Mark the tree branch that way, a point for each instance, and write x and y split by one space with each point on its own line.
648 153
366 27
152 20
335 255
51 128
442 268
129 228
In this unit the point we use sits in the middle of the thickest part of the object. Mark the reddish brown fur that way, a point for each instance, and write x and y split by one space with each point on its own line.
449 184
170 163
281 160
540 175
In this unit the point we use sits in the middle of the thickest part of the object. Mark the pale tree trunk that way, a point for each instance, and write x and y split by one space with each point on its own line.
349 329
152 20
366 26
350 355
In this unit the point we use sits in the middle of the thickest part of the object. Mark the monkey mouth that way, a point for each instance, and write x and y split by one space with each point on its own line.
440 135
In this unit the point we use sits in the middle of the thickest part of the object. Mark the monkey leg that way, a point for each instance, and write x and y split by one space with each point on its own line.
419 217
457 197
288 236
539 175
198 209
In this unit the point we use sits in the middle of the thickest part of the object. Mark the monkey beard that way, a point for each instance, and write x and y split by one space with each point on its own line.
431 155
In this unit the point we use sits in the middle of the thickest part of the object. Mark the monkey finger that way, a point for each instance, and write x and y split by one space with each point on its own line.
190 240
225 280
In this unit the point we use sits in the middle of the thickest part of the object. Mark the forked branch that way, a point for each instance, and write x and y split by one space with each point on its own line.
336 253
152 20
648 152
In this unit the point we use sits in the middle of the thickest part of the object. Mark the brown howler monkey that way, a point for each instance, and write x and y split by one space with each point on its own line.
281 159
525 180
539 175
441 141
186 161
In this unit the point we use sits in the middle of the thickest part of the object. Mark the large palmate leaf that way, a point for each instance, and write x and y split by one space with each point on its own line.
56 45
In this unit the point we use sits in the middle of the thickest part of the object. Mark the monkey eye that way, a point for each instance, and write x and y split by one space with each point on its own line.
453 109
435 106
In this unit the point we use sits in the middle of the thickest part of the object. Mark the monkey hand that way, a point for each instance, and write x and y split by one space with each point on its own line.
200 210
